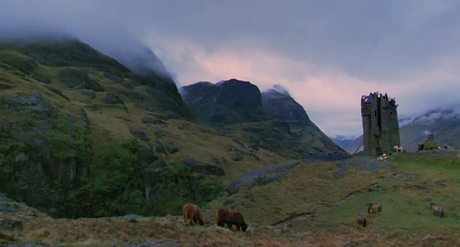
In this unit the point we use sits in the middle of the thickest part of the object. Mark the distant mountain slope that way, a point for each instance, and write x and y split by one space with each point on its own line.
341 140
352 146
443 123
285 108
271 120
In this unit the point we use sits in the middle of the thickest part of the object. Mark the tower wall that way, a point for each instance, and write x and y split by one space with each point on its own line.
366 111
380 123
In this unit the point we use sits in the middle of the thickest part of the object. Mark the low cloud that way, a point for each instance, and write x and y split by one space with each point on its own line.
102 26
427 132
279 89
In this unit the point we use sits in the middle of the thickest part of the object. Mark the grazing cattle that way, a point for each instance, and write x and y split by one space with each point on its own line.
192 214
362 220
374 207
437 210
230 217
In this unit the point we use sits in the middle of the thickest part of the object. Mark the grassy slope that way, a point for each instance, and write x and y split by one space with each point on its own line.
406 218
111 124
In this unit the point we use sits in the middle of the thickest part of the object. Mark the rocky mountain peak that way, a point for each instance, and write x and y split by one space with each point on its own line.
283 106
229 101
239 94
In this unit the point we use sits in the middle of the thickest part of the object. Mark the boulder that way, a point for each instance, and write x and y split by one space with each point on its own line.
140 134
172 148
78 79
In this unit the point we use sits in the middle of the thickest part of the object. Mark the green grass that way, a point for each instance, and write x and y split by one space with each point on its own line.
311 189
406 218
405 208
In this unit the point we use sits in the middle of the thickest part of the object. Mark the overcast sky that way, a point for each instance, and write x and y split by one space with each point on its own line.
326 53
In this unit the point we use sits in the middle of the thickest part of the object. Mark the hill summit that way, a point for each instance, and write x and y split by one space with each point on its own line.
227 102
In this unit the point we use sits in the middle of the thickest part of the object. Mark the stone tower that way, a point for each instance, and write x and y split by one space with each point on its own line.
380 123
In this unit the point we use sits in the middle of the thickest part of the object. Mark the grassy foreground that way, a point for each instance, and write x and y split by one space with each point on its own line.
308 207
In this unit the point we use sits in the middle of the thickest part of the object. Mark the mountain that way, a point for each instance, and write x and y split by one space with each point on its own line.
341 140
285 108
228 102
82 135
270 120
355 145
442 122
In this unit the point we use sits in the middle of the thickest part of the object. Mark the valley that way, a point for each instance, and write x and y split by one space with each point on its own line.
93 154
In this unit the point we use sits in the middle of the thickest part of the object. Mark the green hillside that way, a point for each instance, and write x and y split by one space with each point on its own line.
81 135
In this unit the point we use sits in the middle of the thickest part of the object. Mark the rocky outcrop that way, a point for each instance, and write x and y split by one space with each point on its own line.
35 158
26 66
227 102
78 79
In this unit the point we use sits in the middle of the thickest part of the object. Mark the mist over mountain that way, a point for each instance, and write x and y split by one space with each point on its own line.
107 37
279 89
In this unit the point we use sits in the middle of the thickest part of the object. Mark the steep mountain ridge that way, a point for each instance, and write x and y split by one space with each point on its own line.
285 108
271 120
228 102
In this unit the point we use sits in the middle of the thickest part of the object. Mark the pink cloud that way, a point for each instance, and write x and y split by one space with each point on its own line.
330 97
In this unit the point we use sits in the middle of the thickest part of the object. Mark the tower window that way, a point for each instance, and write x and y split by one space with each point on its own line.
375 113
391 114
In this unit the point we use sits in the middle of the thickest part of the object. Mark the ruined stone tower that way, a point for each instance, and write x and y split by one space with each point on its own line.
380 123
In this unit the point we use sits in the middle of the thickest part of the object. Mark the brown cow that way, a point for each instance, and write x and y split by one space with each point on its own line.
374 207
193 214
230 217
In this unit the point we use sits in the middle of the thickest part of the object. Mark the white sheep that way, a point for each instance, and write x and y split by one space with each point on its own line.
398 149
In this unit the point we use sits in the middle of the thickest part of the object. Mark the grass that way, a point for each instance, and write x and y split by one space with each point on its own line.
310 199
309 207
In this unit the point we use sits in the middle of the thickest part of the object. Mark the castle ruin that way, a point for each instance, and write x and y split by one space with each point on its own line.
380 123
